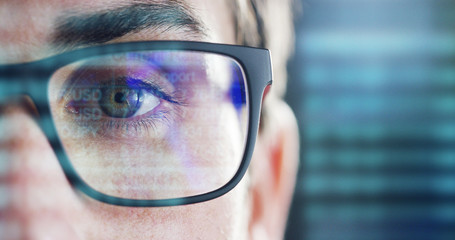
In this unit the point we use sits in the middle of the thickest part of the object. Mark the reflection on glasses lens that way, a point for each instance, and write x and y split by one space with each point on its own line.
152 124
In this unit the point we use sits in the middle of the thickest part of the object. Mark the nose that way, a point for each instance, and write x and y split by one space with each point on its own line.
36 200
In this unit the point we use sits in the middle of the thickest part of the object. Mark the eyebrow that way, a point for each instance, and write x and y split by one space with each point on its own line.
103 26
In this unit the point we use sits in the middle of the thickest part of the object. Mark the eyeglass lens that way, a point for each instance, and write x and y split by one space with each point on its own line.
152 124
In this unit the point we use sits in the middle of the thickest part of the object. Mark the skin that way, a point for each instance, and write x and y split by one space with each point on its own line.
39 203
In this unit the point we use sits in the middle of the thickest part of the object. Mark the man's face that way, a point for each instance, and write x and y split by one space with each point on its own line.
37 202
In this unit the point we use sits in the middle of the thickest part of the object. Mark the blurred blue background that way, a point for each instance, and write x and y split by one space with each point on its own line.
373 86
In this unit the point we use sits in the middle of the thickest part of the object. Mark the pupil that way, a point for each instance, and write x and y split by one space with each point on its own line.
119 97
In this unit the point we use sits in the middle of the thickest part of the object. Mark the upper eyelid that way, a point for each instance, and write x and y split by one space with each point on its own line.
156 89
73 78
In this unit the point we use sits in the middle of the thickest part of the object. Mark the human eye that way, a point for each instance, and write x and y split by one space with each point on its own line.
125 98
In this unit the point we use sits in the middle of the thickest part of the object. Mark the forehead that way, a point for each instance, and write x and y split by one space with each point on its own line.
27 27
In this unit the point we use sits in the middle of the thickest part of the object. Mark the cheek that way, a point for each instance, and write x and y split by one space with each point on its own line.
196 156
221 218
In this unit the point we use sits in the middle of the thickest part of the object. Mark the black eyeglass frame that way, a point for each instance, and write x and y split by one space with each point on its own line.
32 79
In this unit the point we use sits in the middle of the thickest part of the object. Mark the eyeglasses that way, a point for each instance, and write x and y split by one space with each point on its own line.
159 123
